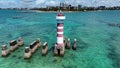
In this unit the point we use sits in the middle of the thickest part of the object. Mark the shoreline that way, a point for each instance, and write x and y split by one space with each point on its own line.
27 11
30 11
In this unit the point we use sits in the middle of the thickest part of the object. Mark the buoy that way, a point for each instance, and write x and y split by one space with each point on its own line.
20 41
34 45
68 44
60 30
5 51
45 49
13 45
74 44
27 53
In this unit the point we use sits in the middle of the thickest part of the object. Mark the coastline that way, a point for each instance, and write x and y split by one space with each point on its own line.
30 11
42 11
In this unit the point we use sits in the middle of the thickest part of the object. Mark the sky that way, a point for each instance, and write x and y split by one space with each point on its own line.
43 3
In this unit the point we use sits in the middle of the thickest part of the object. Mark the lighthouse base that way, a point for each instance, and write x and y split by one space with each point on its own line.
59 51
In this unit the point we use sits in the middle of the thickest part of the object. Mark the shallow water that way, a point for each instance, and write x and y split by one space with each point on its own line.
98 35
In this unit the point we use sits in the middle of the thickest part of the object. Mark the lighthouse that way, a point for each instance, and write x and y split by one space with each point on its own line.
59 46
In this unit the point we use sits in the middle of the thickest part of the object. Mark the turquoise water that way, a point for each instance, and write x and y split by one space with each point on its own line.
98 35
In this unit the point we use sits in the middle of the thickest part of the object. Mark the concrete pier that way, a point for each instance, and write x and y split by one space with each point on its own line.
68 44
58 51
5 51
38 42
34 45
20 41
74 44
45 49
13 45
27 53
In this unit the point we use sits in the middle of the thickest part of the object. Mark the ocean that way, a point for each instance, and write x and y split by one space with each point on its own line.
97 34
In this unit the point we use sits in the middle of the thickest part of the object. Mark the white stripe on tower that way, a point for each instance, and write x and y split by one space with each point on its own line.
60 27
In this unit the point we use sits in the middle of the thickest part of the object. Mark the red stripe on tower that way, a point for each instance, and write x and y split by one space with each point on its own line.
59 35
60 30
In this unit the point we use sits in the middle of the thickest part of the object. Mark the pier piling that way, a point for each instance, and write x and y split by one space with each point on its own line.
27 53
13 45
35 45
20 41
74 44
68 44
44 49
5 51
38 42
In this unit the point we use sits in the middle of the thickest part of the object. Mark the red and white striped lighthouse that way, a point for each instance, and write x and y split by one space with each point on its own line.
60 30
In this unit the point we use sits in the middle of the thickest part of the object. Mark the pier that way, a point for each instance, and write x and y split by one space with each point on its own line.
5 51
45 49
61 44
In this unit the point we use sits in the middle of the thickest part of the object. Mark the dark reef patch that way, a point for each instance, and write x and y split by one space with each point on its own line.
114 25
19 57
111 24
69 66
18 51
16 62
14 56
28 60
113 55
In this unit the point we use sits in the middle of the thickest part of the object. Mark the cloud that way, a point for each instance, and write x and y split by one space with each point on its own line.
52 2
94 2
43 3
7 3
38 2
